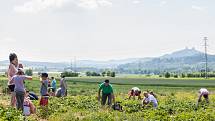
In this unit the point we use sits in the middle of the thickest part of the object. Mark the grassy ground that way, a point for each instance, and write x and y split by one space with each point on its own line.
151 81
177 100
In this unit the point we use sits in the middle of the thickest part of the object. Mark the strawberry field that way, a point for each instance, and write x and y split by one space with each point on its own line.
175 104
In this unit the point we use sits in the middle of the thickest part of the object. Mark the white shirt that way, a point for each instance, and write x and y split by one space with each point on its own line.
135 89
152 99
203 91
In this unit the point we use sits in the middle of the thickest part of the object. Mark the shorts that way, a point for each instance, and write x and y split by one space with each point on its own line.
44 101
11 87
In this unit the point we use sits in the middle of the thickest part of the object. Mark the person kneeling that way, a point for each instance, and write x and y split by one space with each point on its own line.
29 107
150 99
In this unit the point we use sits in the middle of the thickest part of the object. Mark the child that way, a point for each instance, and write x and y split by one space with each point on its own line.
49 85
44 89
18 80
53 84
29 107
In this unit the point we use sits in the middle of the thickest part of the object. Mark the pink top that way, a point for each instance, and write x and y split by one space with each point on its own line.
12 70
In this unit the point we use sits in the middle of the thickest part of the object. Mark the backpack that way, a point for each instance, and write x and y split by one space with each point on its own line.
117 106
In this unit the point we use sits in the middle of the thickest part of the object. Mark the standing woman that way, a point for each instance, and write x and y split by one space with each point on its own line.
12 70
63 87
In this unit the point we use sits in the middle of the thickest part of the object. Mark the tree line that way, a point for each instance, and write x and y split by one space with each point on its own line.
187 75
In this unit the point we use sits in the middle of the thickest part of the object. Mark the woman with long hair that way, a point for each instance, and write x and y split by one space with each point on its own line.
12 70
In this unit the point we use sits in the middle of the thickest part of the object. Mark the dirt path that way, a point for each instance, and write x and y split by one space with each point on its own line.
4 100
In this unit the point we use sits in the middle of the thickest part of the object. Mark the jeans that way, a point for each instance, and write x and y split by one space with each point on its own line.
155 105
63 92
20 99
104 99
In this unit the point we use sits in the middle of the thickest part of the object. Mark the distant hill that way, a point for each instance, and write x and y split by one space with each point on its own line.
110 63
185 60
183 53
43 66
80 64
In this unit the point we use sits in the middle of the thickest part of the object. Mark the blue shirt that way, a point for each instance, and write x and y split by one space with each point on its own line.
54 84
44 87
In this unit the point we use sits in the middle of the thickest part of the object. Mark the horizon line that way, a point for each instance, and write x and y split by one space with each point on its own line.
103 60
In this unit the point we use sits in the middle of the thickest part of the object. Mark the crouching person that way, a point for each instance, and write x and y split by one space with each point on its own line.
205 93
135 91
29 107
150 99
107 93
58 92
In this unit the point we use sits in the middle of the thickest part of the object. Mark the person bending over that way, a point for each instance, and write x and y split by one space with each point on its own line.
107 93
135 91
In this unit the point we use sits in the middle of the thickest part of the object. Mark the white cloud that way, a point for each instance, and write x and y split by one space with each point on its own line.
163 3
195 7
89 4
137 1
35 6
104 3
93 4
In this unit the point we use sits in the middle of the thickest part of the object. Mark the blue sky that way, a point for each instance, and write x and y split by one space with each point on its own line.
58 30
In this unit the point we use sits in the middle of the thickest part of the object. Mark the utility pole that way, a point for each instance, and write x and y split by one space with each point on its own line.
206 57
75 64
71 68
139 67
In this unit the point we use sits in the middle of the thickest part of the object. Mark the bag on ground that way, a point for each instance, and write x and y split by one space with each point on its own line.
117 106
33 96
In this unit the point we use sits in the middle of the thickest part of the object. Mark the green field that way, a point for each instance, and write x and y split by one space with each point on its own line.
151 81
177 100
